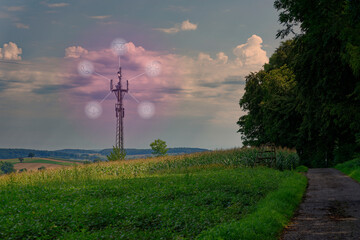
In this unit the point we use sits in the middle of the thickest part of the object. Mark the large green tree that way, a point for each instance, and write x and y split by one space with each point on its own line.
327 67
159 147
270 101
308 96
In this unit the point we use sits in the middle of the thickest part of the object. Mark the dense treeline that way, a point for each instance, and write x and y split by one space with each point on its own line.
7 153
308 96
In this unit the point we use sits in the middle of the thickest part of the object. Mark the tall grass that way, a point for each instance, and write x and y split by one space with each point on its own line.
350 168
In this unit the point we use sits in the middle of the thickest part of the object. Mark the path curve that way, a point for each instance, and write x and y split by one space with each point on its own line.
330 210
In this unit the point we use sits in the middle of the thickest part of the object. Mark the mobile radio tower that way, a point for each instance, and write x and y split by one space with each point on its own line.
145 109
119 109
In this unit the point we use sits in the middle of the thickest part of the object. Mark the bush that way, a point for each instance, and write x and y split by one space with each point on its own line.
301 168
41 168
116 154
350 168
7 167
23 170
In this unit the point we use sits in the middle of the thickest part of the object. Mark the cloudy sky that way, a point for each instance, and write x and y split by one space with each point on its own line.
203 50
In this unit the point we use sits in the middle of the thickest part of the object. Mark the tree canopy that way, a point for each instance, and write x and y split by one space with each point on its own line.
308 96
159 147
6 167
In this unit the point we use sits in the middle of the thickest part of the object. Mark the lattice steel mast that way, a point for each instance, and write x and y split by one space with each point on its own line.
119 109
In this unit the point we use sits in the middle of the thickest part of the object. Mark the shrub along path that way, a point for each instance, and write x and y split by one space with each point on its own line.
330 210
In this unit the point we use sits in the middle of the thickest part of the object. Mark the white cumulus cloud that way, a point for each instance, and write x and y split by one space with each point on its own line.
221 56
10 51
75 52
188 26
184 26
251 52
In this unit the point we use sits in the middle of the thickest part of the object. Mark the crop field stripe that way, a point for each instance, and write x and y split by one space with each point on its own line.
145 167
47 161
272 214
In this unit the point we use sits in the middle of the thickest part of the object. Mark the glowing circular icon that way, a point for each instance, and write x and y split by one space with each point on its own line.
146 110
153 68
85 68
119 46
93 110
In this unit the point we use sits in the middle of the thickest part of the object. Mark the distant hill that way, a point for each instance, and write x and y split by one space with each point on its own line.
134 151
82 154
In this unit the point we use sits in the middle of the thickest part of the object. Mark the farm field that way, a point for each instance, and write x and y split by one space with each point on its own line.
197 196
35 163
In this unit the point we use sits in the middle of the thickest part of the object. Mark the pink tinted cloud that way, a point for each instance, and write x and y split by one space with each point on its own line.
159 89
189 85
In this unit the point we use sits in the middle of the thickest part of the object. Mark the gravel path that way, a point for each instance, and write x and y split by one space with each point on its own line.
330 210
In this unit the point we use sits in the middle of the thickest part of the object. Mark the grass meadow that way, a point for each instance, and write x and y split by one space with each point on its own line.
350 168
212 195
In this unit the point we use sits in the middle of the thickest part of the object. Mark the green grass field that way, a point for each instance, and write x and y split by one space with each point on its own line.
68 160
204 196
38 160
350 168
48 161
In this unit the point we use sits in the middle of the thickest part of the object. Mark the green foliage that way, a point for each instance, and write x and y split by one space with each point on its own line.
116 154
31 155
284 55
21 159
50 162
301 168
271 215
160 198
6 167
318 110
23 170
286 160
351 168
41 168
159 147
344 152
270 100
